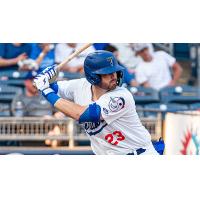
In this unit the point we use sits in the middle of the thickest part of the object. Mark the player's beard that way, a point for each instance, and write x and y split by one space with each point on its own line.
109 86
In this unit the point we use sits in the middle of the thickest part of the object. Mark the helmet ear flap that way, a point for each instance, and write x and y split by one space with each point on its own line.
119 78
94 79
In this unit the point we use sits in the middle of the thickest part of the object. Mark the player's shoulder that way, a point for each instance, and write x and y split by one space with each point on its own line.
116 99
120 92
75 83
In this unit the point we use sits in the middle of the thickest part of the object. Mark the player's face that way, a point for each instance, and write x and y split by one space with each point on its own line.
146 56
109 81
32 91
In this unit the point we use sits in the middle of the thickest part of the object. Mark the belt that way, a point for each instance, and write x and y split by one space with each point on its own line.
138 151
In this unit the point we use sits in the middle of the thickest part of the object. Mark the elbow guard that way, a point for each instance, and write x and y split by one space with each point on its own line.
91 114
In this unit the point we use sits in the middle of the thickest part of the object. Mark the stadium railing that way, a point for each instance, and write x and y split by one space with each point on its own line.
38 128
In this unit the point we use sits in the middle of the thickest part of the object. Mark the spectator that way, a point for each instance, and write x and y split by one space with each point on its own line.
128 78
64 50
30 103
155 69
33 104
127 55
55 131
43 54
12 53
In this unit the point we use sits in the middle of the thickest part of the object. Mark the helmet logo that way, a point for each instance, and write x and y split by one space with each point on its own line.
110 60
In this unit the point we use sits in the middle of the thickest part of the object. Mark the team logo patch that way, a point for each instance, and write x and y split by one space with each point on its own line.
116 104
94 128
110 60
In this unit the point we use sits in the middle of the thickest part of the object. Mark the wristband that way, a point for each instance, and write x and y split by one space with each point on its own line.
50 95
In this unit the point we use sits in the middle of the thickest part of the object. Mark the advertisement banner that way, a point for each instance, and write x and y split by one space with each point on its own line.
182 133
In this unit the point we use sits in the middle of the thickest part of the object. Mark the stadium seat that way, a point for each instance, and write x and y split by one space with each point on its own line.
7 93
194 106
13 74
13 82
139 110
153 109
144 95
4 110
180 94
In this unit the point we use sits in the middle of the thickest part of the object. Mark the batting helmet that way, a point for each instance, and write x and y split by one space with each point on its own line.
101 62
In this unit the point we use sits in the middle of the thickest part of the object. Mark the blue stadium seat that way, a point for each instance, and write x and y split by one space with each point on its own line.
7 93
13 82
163 108
194 106
180 94
139 110
4 110
13 74
144 95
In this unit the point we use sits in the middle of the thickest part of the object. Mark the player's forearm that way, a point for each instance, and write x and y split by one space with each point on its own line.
69 108
8 62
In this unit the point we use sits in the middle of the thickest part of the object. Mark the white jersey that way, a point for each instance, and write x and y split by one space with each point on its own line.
156 72
120 131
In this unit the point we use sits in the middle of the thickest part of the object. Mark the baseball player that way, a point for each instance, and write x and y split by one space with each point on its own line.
106 110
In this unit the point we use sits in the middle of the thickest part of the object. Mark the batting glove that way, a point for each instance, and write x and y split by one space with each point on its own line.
51 72
41 82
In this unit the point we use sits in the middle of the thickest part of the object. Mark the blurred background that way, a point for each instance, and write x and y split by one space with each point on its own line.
164 79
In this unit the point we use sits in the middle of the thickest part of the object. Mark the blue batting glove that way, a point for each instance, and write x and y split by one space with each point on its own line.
51 72
41 82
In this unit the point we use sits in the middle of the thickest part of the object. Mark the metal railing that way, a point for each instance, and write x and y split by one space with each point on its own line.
152 124
35 129
38 128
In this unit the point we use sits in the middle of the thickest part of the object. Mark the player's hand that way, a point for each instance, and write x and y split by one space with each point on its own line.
20 57
51 72
41 82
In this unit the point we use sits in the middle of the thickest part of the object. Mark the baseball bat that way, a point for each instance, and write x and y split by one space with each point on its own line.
76 53
69 58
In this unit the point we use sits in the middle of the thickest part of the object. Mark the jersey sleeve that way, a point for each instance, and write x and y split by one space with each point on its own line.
66 89
115 105
141 76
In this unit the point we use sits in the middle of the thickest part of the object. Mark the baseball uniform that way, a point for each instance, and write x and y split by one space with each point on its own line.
120 130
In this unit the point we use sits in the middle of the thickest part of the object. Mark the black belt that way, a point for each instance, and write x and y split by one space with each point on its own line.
139 151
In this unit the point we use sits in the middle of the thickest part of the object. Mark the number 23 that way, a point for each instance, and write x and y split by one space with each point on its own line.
110 137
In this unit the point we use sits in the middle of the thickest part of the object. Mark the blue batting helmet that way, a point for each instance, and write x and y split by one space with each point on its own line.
101 62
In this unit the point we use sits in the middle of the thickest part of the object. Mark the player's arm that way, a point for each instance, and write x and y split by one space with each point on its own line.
12 61
90 113
69 108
